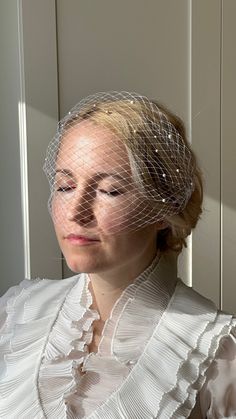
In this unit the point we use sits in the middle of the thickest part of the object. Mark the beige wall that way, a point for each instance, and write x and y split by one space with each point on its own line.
228 155
125 45
171 51
206 139
179 52
29 113
11 229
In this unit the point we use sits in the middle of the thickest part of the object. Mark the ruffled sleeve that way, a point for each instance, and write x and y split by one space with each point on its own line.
218 395
27 314
11 294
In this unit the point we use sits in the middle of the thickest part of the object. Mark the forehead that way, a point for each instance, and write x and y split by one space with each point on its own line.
91 146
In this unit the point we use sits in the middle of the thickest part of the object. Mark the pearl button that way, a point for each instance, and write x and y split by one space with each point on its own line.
131 362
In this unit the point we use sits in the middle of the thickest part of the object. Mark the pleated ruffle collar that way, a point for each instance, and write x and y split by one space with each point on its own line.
125 334
151 360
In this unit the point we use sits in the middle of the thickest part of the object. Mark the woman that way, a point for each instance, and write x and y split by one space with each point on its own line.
125 338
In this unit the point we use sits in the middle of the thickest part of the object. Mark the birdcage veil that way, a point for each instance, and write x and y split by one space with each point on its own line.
156 170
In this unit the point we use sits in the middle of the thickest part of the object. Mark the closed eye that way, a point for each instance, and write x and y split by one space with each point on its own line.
113 193
65 188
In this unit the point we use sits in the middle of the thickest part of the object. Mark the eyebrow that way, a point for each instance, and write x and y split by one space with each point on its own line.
103 175
65 172
100 175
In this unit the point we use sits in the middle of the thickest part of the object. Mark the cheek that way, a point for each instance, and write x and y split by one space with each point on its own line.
122 217
56 209
59 209
58 214
127 215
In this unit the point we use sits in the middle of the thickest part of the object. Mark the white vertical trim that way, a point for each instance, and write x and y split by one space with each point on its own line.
190 69
189 259
38 115
23 146
221 156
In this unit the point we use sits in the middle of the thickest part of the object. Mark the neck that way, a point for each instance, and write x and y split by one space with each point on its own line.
107 287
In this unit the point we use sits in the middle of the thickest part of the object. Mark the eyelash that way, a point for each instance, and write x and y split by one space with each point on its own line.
108 193
65 189
114 193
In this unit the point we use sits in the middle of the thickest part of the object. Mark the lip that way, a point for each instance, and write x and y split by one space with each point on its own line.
81 240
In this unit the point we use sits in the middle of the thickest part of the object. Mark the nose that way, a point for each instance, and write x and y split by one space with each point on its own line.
81 209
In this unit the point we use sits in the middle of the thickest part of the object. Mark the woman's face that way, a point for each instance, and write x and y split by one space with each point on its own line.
95 202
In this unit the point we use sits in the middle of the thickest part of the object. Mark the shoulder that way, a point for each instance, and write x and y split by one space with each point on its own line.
34 295
218 395
188 304
191 330
216 340
186 291
202 321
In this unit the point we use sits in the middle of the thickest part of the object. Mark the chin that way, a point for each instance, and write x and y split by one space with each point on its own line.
83 264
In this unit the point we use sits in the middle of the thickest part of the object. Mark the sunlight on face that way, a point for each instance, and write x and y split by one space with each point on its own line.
93 183
95 199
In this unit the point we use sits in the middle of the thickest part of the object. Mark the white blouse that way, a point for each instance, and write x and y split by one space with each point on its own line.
163 346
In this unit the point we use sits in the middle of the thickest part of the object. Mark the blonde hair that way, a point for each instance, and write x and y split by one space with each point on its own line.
180 225
121 118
